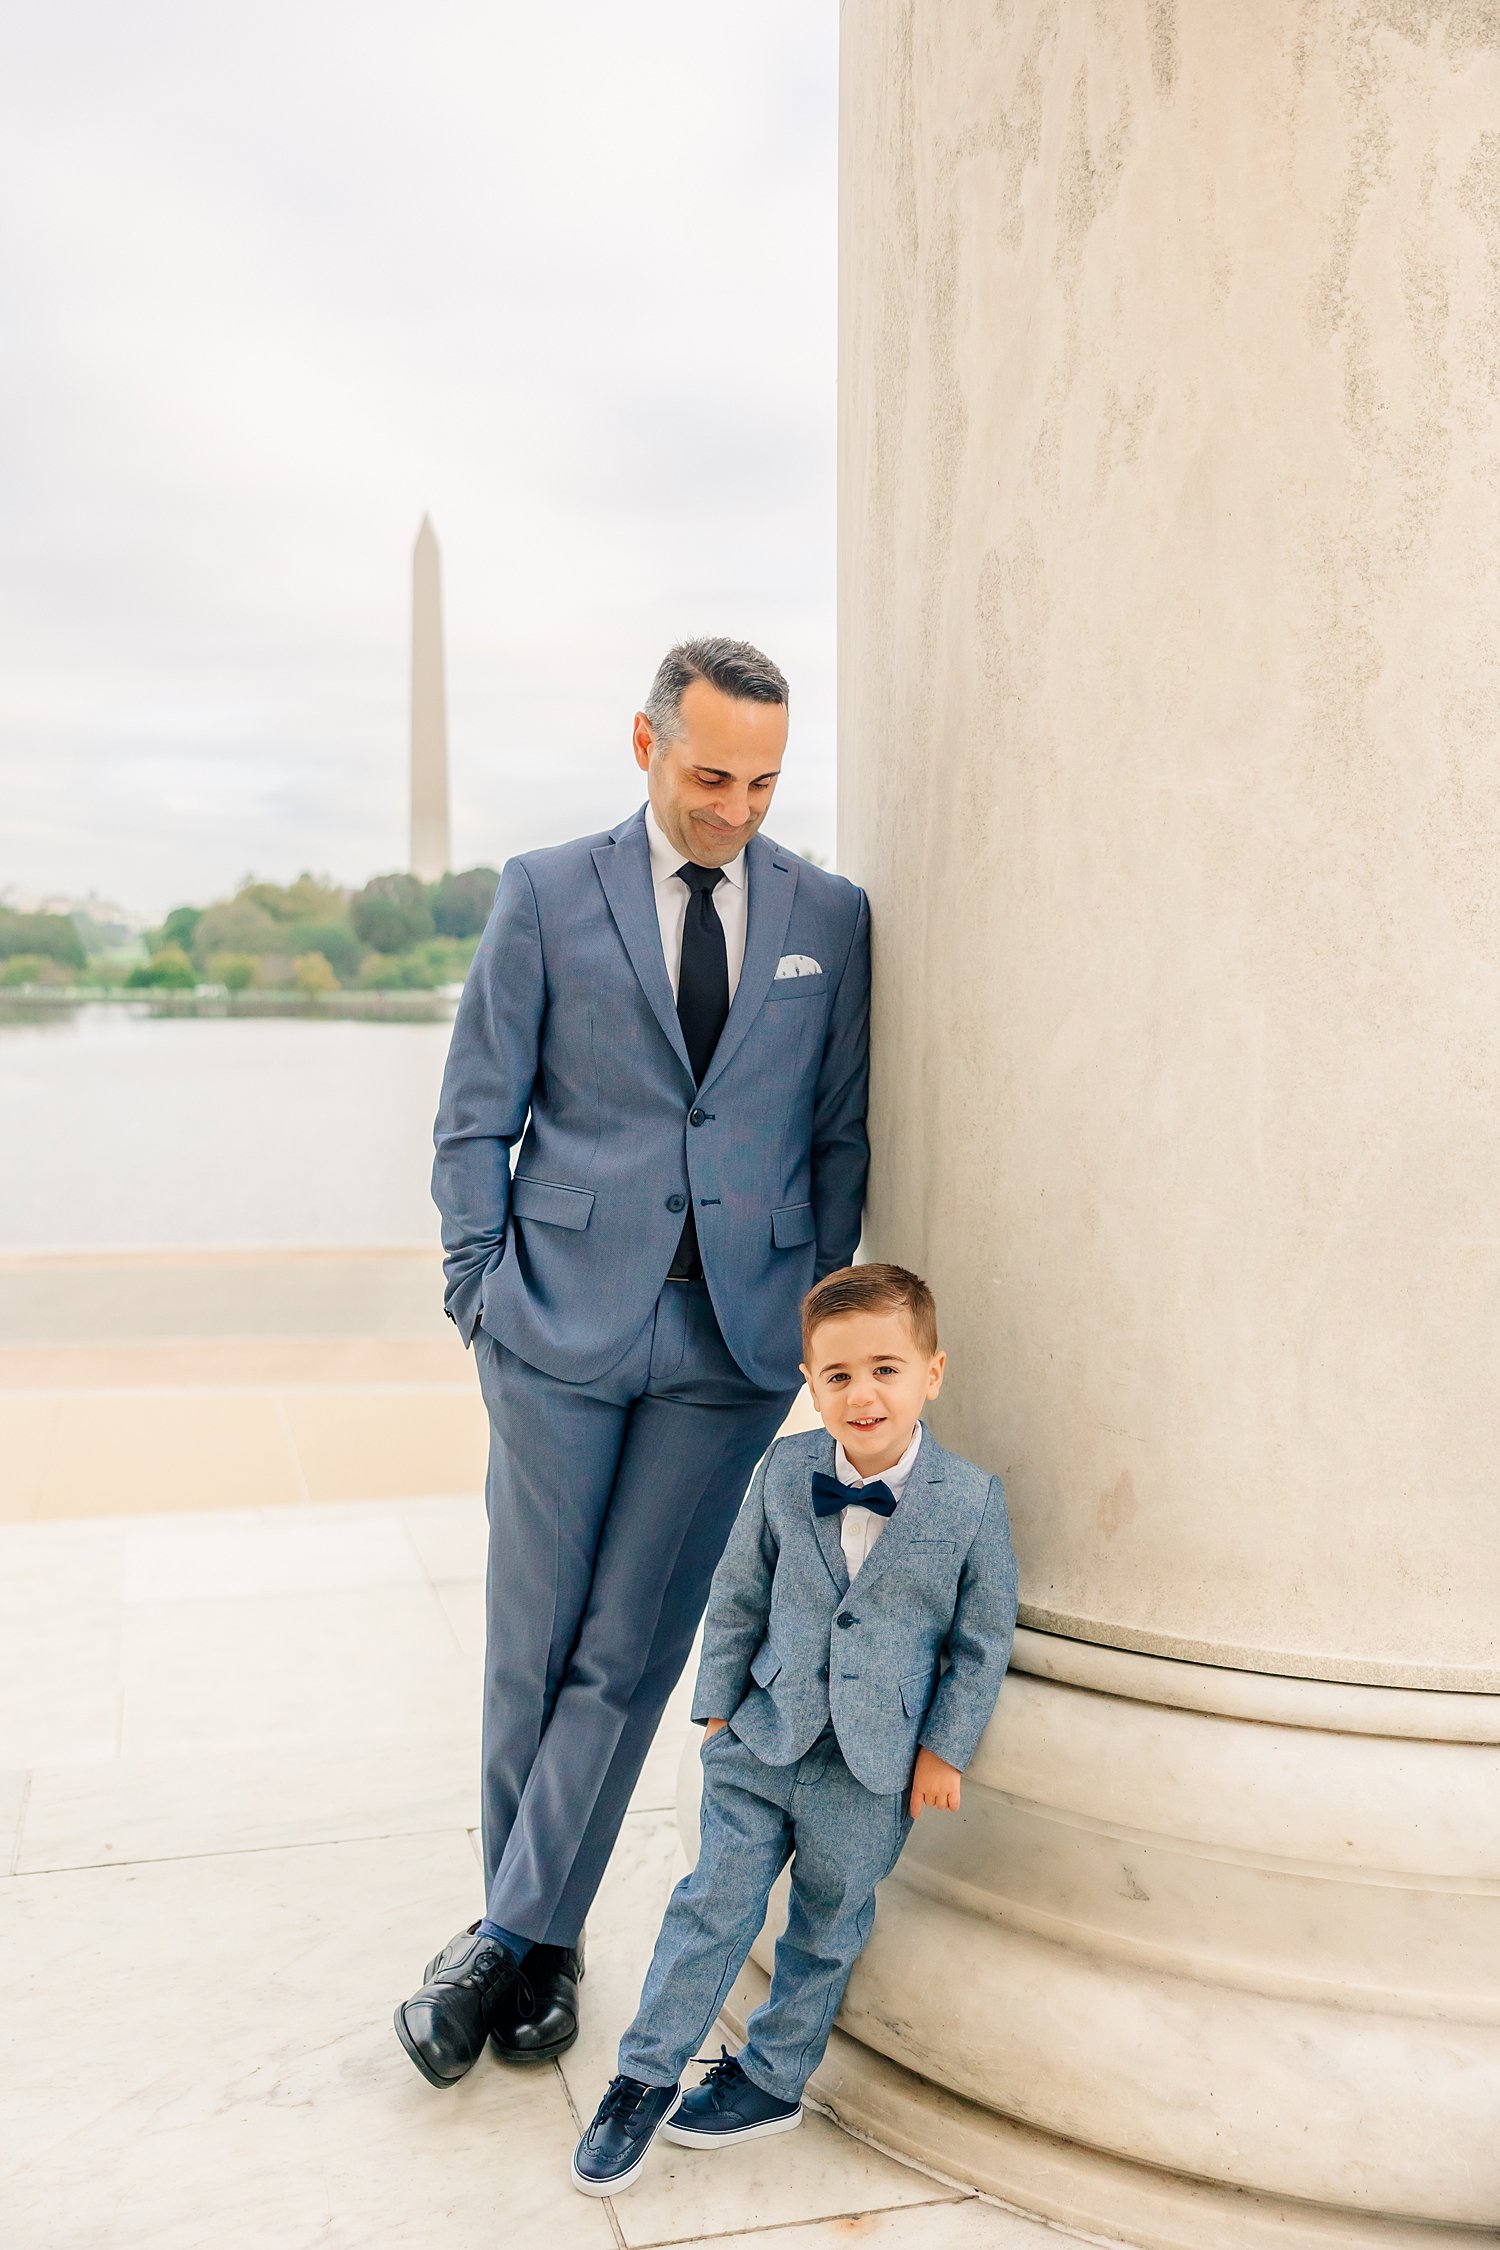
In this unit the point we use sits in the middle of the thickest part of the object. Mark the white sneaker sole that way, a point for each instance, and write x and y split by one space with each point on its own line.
684 2137
617 2186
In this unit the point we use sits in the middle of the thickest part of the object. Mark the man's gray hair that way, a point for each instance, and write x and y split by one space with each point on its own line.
733 667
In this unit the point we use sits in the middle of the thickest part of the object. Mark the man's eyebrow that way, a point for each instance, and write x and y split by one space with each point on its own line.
722 773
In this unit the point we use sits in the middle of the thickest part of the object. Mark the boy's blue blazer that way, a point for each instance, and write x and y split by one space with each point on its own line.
913 1652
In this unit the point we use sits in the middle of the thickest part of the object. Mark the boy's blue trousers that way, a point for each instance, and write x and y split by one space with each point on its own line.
841 1839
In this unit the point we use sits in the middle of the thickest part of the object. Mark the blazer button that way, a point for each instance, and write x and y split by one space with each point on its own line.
676 1202
697 1116
844 1621
822 1671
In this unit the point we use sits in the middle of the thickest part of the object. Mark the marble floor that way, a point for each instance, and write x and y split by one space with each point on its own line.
236 1779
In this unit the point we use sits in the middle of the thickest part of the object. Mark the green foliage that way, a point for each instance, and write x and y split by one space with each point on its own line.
461 903
108 971
336 942
52 935
237 925
445 960
391 913
169 968
311 974
235 971
33 968
395 935
382 972
309 899
179 928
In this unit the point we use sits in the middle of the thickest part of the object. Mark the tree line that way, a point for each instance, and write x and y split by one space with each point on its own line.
396 933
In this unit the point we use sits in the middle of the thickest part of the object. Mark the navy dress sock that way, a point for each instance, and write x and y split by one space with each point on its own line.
519 1946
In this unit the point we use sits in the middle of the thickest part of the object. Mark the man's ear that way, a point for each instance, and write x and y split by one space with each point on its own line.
643 740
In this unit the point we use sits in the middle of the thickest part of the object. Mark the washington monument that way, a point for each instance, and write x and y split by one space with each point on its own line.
430 855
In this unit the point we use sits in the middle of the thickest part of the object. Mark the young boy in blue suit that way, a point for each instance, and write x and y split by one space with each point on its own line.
857 1634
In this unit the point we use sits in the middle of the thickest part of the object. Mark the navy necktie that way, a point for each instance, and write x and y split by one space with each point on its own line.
830 1498
702 1005
703 977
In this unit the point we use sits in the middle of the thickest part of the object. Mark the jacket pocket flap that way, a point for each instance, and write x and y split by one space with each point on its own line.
545 1200
793 1225
764 1665
915 1691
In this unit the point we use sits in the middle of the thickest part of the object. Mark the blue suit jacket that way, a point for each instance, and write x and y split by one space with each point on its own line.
567 1040
912 1652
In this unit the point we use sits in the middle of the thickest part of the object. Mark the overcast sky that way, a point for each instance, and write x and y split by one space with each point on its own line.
278 279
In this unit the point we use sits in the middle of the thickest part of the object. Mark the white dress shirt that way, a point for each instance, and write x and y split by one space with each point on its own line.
672 898
859 1528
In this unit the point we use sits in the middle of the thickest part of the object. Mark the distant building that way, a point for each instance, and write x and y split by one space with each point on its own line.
430 852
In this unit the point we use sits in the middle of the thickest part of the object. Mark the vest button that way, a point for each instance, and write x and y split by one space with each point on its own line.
697 1117
676 1202
844 1621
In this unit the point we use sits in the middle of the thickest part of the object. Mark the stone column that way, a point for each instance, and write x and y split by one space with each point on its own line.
1170 756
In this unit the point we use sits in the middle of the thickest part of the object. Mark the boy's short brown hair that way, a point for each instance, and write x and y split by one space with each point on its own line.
871 1289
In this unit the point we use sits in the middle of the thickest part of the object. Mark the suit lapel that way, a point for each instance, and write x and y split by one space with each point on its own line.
771 885
916 1514
826 1528
624 865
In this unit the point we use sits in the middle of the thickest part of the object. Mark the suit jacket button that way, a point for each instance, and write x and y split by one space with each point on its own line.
697 1117
822 1671
676 1202
844 1621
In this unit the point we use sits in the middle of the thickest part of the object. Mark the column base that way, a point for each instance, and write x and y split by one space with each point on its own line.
909 2118
1206 1959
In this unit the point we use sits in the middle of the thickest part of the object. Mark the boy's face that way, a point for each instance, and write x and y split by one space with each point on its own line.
870 1379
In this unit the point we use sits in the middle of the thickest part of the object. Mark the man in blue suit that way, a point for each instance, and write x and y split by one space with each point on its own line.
671 1019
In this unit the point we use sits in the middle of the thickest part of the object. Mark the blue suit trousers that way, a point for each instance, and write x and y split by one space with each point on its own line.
609 1505
841 1839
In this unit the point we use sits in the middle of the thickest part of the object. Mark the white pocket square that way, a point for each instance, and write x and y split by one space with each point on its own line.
798 965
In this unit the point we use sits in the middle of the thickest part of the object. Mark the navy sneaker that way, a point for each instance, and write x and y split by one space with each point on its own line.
609 2157
727 2107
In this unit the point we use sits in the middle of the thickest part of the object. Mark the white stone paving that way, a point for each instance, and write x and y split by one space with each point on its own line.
237 1759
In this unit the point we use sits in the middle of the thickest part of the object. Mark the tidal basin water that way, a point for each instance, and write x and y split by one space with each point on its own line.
120 1130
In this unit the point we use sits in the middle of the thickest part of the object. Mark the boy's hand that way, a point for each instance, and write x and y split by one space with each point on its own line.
712 1726
934 1783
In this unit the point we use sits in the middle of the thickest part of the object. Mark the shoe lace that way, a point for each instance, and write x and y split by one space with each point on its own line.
624 2095
491 1964
724 2073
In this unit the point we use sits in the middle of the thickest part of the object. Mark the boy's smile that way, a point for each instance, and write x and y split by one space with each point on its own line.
870 1379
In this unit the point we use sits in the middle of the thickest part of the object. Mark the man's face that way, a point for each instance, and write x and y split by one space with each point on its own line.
710 789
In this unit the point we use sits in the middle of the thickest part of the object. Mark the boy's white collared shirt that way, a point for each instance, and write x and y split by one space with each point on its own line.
671 896
859 1528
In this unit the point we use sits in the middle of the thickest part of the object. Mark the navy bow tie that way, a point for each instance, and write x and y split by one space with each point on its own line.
830 1498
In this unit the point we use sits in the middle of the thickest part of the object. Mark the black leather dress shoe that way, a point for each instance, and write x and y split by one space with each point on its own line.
444 2026
537 2020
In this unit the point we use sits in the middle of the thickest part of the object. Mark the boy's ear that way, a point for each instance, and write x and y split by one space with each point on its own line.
804 1373
935 1373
